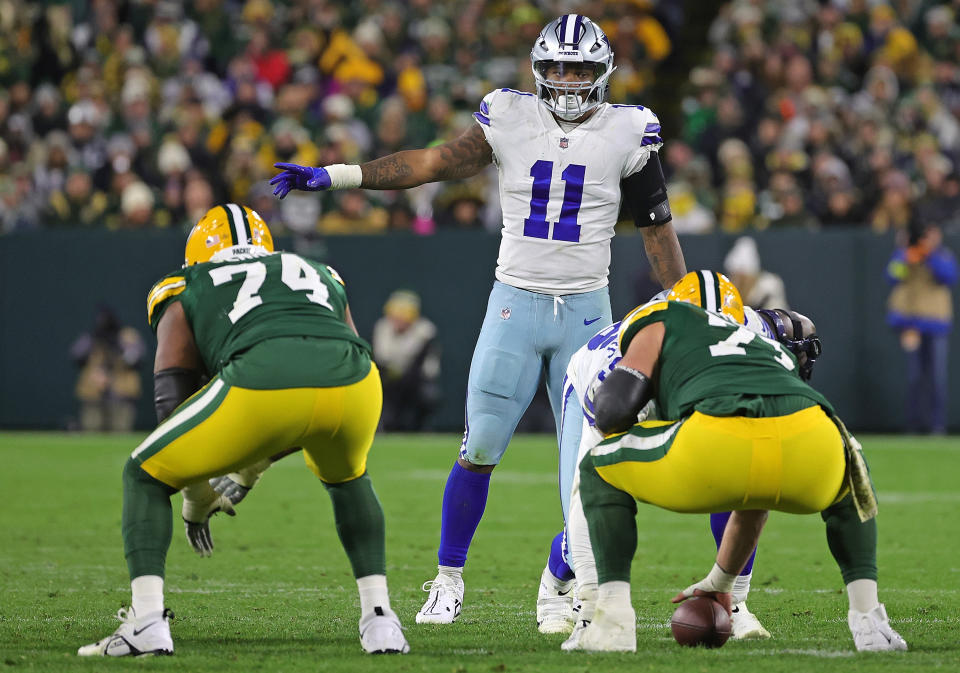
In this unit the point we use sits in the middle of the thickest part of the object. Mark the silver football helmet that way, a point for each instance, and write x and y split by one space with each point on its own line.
574 43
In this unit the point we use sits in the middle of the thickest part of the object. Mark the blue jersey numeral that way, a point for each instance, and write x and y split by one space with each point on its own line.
566 228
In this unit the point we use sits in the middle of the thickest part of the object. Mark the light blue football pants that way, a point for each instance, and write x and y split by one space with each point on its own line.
524 333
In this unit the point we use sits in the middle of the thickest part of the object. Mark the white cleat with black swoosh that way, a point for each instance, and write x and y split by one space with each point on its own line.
443 602
135 637
381 633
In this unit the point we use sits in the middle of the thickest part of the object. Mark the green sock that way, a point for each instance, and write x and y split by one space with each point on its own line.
360 525
611 517
147 521
853 543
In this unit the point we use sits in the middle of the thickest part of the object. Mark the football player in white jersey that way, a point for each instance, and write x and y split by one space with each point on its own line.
567 159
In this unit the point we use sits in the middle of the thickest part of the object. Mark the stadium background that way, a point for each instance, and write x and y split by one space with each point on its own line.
820 128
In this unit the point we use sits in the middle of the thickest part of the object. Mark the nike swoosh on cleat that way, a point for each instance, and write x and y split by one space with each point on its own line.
137 633
590 322
564 593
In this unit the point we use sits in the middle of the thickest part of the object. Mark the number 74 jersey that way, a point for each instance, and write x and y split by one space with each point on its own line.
707 359
560 190
234 304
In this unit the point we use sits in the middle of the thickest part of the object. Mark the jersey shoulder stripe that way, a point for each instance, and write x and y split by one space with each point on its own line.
634 317
163 290
519 93
643 123
336 276
483 116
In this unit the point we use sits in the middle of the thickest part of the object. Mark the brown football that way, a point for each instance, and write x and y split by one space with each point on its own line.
700 621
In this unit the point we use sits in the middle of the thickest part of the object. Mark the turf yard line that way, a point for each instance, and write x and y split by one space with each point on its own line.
901 498
828 654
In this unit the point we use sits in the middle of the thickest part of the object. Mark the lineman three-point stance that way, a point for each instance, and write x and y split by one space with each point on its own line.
288 369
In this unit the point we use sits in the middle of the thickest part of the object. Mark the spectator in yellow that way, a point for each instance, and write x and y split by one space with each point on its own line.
921 308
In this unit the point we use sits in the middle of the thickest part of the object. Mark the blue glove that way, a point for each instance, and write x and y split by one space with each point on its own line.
295 176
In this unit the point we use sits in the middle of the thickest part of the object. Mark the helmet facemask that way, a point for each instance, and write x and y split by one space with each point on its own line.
588 56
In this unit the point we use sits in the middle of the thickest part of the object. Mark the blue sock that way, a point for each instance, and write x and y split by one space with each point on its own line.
464 500
718 522
558 566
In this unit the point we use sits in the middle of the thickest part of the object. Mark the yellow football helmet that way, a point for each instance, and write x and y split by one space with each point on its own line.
226 226
710 291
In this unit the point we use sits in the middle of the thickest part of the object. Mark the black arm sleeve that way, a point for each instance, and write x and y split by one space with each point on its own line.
171 387
645 194
620 398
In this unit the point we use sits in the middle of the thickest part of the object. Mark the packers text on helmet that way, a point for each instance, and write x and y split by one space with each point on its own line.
227 227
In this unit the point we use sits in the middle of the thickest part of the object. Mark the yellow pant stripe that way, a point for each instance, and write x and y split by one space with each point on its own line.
181 417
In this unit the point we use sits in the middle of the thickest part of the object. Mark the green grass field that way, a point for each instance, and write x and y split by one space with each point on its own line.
277 595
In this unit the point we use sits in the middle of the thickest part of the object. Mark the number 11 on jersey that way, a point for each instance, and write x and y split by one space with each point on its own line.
566 228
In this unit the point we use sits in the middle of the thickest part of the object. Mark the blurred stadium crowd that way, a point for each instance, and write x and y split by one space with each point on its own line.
144 113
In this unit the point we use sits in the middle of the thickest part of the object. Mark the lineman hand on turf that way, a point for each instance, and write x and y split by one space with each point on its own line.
295 176
196 521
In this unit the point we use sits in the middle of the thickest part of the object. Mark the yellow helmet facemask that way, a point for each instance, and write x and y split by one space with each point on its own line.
228 227
710 291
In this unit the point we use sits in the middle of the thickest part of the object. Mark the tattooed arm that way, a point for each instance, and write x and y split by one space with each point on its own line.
459 158
664 253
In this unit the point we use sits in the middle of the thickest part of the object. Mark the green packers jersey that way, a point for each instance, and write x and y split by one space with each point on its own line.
250 318
708 360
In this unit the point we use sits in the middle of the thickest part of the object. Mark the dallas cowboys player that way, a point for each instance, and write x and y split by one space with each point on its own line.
588 367
566 158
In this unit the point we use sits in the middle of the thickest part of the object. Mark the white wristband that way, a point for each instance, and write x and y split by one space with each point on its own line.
344 176
719 580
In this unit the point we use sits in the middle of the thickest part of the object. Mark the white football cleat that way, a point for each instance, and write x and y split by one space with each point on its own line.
609 631
135 637
744 625
872 632
444 602
381 633
554 604
582 615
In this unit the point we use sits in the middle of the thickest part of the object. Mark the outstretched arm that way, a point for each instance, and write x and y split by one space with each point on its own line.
459 158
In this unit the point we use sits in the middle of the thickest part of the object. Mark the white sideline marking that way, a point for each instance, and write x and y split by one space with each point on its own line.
827 654
904 498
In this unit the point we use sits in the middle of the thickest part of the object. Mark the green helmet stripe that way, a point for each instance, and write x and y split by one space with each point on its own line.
238 220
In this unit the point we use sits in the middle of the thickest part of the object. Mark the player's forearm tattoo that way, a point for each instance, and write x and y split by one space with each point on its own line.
664 254
464 156
390 172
